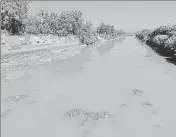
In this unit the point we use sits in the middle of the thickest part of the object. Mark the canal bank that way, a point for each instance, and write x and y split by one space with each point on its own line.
26 58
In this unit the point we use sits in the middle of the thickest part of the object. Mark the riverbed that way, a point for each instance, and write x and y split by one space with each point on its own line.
122 77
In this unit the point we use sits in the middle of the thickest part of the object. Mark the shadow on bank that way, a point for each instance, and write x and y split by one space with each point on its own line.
172 59
164 52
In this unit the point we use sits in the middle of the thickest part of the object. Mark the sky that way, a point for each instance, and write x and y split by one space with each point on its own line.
128 15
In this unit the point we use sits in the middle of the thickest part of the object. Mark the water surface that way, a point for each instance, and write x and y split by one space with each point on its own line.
99 78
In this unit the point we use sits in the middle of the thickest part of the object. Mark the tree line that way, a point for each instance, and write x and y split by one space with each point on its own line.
15 20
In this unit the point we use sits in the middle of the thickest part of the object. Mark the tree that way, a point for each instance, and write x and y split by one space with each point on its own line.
44 19
44 23
53 22
14 16
33 25
86 35
108 31
71 21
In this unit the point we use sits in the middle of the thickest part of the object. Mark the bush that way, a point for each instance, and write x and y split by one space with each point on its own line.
142 35
164 30
108 31
88 38
165 36
171 42
161 39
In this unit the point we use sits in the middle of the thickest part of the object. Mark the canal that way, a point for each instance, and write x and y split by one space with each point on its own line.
100 77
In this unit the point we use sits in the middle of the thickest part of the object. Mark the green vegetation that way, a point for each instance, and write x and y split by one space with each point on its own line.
64 24
15 21
86 34
13 16
142 35
161 39
108 31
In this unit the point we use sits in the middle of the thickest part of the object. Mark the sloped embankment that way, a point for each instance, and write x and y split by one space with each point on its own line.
162 40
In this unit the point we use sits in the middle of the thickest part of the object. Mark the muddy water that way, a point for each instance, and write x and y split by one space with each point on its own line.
100 78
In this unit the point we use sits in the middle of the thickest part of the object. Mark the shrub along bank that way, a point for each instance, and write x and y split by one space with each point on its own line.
161 39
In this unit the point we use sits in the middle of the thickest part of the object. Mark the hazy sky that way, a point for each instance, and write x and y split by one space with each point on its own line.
127 15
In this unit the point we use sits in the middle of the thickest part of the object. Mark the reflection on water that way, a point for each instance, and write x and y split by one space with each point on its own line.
75 64
71 65
107 46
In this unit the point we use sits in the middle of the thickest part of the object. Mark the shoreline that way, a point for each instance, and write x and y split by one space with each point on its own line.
26 59
48 46
38 48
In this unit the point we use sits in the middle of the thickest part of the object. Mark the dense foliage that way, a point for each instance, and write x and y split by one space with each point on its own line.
142 35
162 39
108 31
86 34
51 23
15 20
13 16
